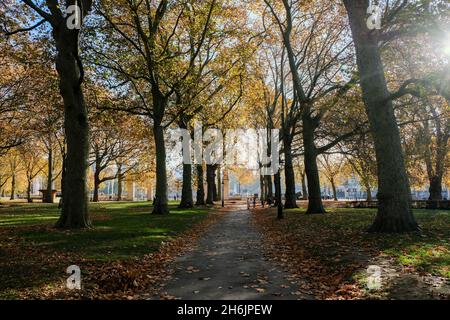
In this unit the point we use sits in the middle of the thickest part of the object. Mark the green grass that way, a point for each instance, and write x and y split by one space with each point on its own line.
122 230
428 251
19 214
34 255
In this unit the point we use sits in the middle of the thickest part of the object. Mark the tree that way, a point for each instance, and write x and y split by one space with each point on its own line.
69 66
4 176
332 166
360 159
215 71
32 163
153 32
394 195
290 115
424 116
316 51
46 113
115 141
15 83
434 138
14 169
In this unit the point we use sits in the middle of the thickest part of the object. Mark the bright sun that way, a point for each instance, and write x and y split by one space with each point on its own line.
446 45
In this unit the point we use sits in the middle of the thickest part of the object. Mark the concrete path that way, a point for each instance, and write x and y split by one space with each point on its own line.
228 263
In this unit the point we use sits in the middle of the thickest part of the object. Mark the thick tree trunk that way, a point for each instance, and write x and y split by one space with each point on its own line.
312 172
394 196
436 187
74 212
200 186
304 187
289 175
13 187
160 206
49 195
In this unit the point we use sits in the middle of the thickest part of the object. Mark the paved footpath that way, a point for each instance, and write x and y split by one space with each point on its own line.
228 263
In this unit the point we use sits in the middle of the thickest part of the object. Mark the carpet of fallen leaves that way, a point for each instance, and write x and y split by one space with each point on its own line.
317 262
324 257
39 273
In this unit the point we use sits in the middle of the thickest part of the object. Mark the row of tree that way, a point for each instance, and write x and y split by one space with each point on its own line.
313 69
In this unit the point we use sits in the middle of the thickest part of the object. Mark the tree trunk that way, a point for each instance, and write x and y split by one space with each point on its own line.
269 188
289 175
49 195
200 187
74 213
187 200
333 187
369 193
160 206
436 187
96 185
277 177
215 193
261 187
394 196
312 172
219 185
210 181
13 187
29 199
119 183
304 187
277 183
63 176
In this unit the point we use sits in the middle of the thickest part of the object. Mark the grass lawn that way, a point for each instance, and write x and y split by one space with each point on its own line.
32 251
121 229
332 247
